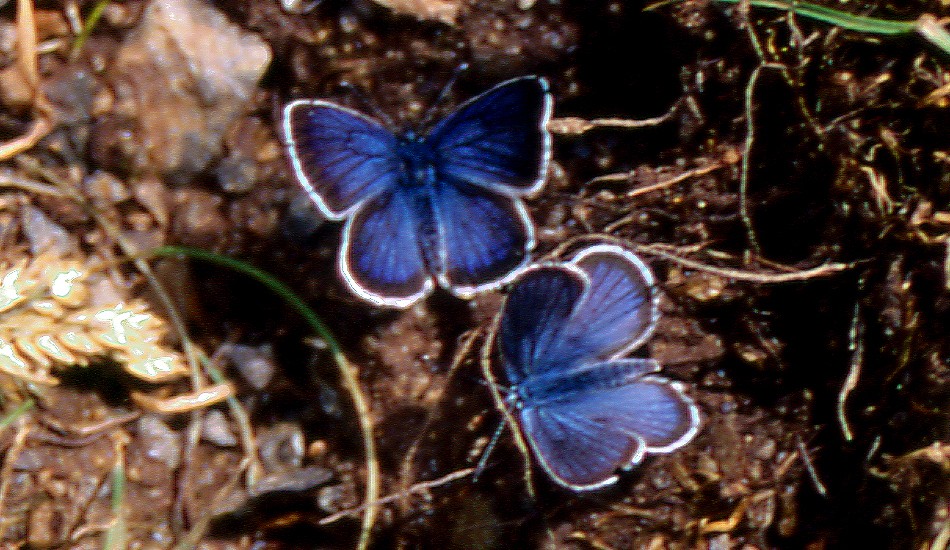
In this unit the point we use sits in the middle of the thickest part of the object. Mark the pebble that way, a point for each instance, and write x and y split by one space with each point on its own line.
216 429
303 479
281 446
255 363
161 443
46 235
183 76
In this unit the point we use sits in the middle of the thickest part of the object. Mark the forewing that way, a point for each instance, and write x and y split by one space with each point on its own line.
339 156
606 418
498 139
534 315
485 236
619 310
381 259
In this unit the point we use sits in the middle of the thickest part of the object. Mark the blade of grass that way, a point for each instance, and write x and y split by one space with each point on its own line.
926 25
91 21
117 535
348 372
845 20
19 411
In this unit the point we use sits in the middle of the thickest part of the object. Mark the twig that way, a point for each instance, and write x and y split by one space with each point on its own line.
810 467
87 429
574 126
417 488
662 251
30 186
744 165
823 270
727 525
856 346
27 48
669 182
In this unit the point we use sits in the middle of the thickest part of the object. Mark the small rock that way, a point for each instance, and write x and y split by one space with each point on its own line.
303 219
303 479
236 173
29 460
256 364
281 447
16 93
152 194
104 187
72 91
183 77
217 430
161 443
45 235
198 220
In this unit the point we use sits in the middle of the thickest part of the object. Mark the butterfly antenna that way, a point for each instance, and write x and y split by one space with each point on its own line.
480 467
368 101
483 461
430 112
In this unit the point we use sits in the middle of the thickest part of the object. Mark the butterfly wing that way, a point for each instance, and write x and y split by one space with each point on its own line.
594 420
381 257
498 139
340 156
485 236
533 317
618 311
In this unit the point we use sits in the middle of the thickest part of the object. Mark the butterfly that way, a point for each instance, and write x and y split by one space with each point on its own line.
584 408
444 206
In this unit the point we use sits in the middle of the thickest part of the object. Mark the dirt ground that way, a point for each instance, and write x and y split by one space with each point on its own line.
792 197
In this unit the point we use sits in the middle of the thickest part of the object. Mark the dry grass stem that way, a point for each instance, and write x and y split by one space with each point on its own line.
413 490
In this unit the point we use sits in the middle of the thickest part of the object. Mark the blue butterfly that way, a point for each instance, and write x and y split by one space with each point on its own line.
586 410
445 206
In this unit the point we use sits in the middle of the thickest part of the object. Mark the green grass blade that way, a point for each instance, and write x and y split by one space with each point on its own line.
851 22
91 21
16 413
116 537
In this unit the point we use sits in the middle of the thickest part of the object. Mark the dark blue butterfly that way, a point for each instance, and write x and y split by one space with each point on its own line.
444 206
585 410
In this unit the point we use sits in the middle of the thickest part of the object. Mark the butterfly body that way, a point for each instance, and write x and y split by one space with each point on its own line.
574 383
441 207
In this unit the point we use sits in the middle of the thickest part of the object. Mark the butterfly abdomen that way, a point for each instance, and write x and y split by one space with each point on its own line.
419 180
